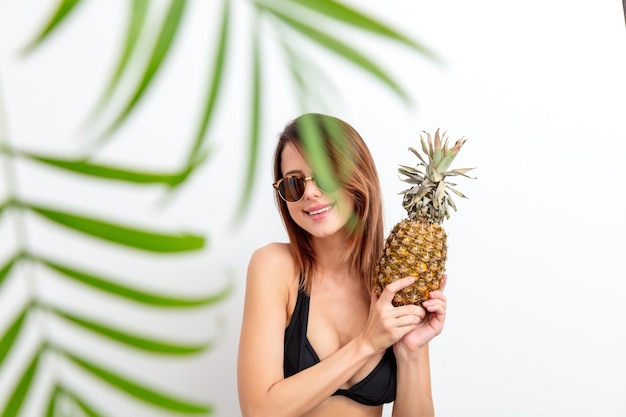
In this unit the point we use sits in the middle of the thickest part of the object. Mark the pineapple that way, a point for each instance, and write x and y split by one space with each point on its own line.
416 246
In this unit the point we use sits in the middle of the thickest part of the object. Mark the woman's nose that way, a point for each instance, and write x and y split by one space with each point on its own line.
311 190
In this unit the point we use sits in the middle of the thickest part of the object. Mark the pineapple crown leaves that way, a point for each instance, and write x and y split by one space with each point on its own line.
429 196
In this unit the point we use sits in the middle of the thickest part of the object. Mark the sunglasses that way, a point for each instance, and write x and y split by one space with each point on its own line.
291 188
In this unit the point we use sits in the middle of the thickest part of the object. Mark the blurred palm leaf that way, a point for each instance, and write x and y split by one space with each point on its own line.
108 286
129 339
18 396
123 235
137 390
295 22
136 22
107 172
63 10
9 337
160 49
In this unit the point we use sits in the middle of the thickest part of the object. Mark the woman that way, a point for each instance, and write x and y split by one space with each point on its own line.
315 340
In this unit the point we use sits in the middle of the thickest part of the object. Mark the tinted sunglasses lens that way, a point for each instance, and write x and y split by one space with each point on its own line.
292 188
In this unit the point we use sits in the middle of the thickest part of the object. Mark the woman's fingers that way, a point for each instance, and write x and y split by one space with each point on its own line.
409 310
391 289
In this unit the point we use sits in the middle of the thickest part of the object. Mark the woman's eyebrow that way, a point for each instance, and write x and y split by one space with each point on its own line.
294 171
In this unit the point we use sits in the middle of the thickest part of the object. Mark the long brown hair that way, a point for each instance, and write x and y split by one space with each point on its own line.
354 169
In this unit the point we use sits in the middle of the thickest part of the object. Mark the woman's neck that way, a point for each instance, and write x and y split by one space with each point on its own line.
330 255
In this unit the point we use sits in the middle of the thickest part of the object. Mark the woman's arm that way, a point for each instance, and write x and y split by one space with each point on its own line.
413 394
263 390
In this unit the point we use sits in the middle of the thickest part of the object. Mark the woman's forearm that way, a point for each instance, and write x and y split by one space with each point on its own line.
302 392
413 392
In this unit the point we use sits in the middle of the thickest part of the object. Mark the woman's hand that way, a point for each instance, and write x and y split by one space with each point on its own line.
387 324
430 326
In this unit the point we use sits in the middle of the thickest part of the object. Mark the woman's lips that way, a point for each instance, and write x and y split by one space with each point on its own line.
319 210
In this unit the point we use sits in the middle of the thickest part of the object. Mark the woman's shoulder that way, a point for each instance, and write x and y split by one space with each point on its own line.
275 252
272 275
275 257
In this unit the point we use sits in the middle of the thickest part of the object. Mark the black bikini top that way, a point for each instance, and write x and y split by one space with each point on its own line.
377 388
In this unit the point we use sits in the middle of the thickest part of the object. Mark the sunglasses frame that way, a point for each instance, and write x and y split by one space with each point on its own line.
277 185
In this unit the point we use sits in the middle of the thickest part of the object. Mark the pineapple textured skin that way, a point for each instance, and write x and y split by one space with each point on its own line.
417 248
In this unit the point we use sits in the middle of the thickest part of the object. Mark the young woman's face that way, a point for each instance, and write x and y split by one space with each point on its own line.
319 213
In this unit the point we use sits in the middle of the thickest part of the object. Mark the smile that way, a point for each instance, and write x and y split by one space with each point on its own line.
319 211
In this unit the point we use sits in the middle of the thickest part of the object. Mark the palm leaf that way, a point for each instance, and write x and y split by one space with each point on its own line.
81 403
255 121
3 206
353 17
64 8
131 294
308 78
214 87
9 337
138 390
55 394
314 147
340 48
133 340
6 269
166 36
17 397
136 21
81 166
123 235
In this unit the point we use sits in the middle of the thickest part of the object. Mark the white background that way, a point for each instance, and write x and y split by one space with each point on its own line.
536 321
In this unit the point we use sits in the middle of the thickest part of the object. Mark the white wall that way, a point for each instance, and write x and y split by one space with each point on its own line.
536 321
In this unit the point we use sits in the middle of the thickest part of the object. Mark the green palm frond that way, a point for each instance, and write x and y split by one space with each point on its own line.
255 124
136 22
22 388
5 269
216 83
160 50
63 10
337 46
107 172
81 403
8 338
109 286
352 17
55 395
130 339
123 235
136 389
